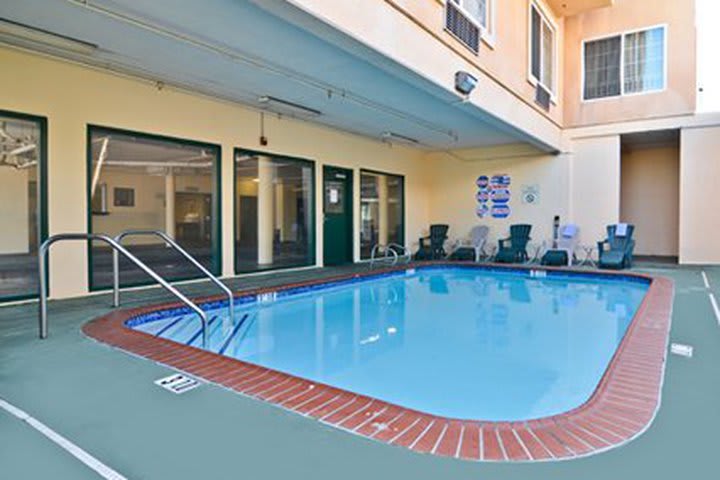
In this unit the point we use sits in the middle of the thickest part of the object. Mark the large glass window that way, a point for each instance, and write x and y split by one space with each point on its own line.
382 208
22 153
142 182
275 211
542 49
625 64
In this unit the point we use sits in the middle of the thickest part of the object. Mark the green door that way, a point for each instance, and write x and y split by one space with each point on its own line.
338 215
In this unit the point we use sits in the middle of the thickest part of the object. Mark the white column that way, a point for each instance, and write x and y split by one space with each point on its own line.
280 209
382 189
266 211
170 203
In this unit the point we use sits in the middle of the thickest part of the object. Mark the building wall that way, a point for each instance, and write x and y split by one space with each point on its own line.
649 198
73 97
453 191
679 95
595 185
699 203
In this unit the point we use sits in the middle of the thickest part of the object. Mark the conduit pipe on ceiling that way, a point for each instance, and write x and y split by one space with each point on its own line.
236 56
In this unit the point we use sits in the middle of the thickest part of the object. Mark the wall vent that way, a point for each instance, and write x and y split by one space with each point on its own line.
542 97
461 27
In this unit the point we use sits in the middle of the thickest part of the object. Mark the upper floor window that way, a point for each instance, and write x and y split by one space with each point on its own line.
542 49
624 64
469 21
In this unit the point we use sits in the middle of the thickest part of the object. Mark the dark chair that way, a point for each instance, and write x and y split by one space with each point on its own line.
619 251
514 248
432 247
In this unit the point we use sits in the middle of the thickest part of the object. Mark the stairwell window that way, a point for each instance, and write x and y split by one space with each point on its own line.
625 64
542 49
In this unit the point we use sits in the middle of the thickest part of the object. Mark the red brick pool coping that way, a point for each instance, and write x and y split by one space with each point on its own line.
621 408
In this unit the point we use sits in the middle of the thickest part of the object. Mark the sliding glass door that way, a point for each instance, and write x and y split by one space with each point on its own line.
22 202
146 182
274 212
382 207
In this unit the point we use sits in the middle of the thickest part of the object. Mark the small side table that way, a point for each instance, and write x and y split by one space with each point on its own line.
587 258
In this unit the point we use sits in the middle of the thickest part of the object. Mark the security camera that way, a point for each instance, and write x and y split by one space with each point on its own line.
465 83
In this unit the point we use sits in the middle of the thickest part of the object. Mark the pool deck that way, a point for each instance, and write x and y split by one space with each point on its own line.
105 401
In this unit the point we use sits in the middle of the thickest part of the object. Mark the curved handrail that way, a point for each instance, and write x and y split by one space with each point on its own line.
405 251
387 248
42 273
172 243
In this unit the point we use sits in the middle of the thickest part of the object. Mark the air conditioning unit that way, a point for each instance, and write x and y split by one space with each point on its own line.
461 27
542 97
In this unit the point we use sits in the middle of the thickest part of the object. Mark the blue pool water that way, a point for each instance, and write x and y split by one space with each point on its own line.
457 342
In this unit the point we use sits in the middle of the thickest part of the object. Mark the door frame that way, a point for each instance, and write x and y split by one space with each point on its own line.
42 192
351 211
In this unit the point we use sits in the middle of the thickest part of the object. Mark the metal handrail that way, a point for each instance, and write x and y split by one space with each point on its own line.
405 251
42 272
387 248
172 243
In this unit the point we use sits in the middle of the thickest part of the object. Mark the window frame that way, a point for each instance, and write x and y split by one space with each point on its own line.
42 193
622 35
487 33
547 19
312 231
403 203
216 243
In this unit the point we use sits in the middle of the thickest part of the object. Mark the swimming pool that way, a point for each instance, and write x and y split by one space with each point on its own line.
466 343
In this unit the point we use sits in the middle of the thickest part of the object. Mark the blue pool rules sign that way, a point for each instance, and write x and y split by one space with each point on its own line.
493 196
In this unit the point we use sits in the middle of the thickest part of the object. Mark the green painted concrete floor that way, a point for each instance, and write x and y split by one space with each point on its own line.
104 401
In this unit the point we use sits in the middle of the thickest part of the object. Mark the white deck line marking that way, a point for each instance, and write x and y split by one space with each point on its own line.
437 442
705 279
462 435
77 452
715 307
500 442
422 434
417 420
522 444
537 439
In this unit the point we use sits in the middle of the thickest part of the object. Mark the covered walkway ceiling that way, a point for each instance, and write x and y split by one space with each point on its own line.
239 51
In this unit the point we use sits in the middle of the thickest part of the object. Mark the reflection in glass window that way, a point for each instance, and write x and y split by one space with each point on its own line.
381 211
154 184
21 144
274 207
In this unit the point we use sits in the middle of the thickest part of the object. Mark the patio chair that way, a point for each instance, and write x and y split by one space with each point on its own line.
473 248
432 247
514 248
564 252
620 246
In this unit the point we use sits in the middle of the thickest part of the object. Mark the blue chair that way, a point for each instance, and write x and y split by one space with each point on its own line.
616 250
514 248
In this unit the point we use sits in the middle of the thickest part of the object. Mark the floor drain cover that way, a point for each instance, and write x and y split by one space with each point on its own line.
682 350
177 383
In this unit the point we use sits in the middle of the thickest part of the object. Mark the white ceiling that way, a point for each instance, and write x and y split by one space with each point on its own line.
239 51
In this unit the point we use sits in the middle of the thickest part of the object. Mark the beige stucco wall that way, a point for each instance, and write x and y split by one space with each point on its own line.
72 97
678 97
595 185
649 198
453 193
699 202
